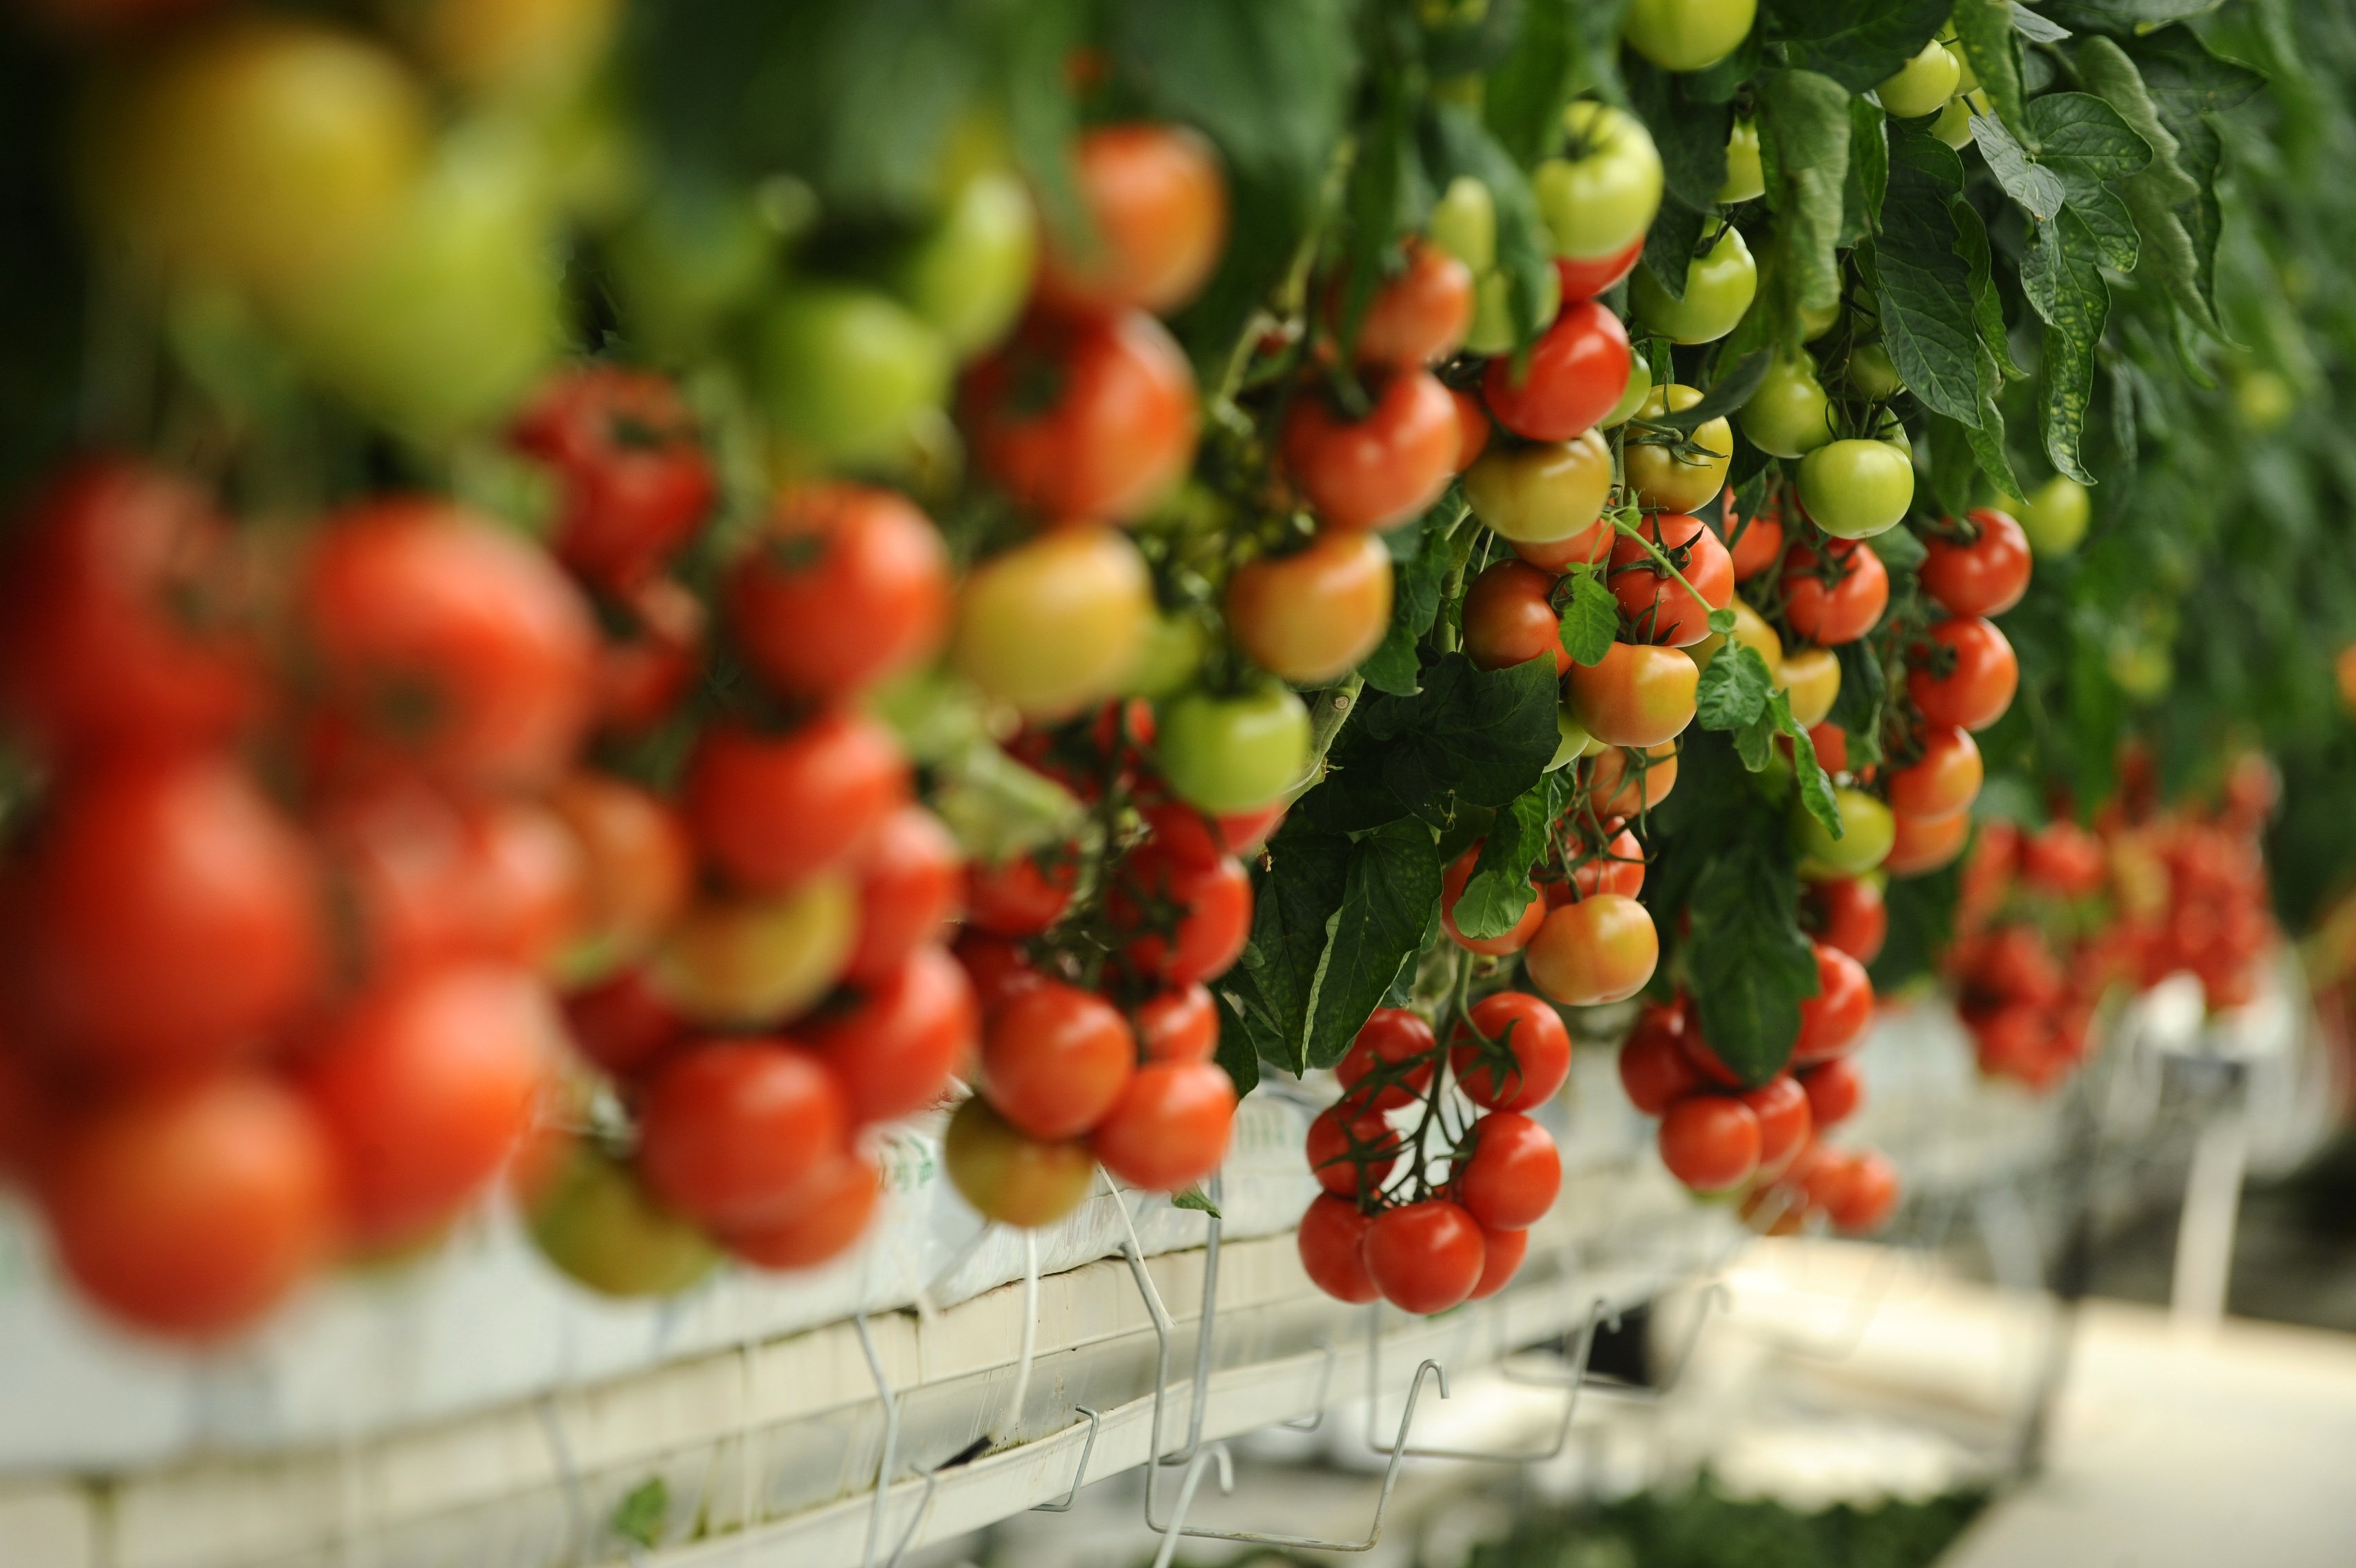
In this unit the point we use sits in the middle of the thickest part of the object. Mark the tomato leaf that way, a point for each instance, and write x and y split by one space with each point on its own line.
2061 275
1857 43
1195 1199
1670 244
1390 895
1724 397
642 1512
1455 143
1983 32
1733 689
1420 560
1816 784
1691 134
1470 737
1923 284
1804 133
1498 892
2125 15
2037 189
1869 171
2089 146
1591 621
2037 28
1268 993
1752 967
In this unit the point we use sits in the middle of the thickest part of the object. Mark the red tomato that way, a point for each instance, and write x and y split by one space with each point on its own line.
1451 889
1424 1258
1598 949
1843 610
638 867
1471 426
1711 1143
1179 1025
1834 1022
194 1211
1510 619
1157 206
637 482
644 670
1849 914
1351 1152
1865 1202
1188 922
170 919
1577 369
1946 778
1756 544
733 1133
1784 1110
997 967
770 811
1420 314
1526 1058
1617 867
846 585
447 642
1981 675
1384 469
1654 1066
830 1214
1169 1128
623 1025
1093 418
1511 1178
895 1048
1246 833
425 1083
1501 1260
1831 744
1054 1059
911 885
1333 1244
1585 280
2016 963
1398 1042
1022 896
1925 843
117 614
1656 604
1315 615
1637 695
1592 543
1984 577
2063 858
1834 1092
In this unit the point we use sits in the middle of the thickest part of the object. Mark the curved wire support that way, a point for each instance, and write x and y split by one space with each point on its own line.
1863 1307
1575 1381
1080 1474
1205 1330
915 1520
1714 1295
1324 1387
1217 1451
886 1460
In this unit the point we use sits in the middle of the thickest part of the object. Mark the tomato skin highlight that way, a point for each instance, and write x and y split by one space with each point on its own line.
1054 1059
1597 949
1382 471
1637 695
1984 577
1577 369
1946 778
769 812
1331 1242
1784 1117
731 1131
845 586
1425 1257
1169 1128
1534 1041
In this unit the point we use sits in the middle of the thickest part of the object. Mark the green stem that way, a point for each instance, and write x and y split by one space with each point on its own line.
1633 530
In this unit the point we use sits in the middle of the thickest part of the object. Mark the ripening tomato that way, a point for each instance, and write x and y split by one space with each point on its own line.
1599 198
1656 605
637 866
1687 34
1636 695
845 587
1091 418
1056 623
968 275
1618 866
1233 753
1836 1020
1867 1197
1009 1178
1833 1091
527 51
1578 367
1946 777
1850 914
1522 1057
1472 428
1755 543
1701 1053
1157 208
635 481
1866 831
1514 938
447 643
1510 619
1855 489
1923 844
770 811
1782 1108
1170 1127
621 1025
1720 283
1980 679
1654 1066
1425 1257
911 885
754 961
1598 949
1617 788
424 1084
830 1211
894 1048
1842 609
1510 1179
1711 1143
2063 858
1547 494
1055 1059
1021 897
194 1210
1395 1045
730 1131
999 969
1984 576
1670 478
117 614
1177 1025
1383 469
644 669
1420 314
1246 834
1314 616
1333 1245
590 1216
1810 678
1183 923
169 919
1585 280
1831 744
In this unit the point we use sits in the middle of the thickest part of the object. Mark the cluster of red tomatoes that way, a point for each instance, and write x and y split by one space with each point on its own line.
1433 1167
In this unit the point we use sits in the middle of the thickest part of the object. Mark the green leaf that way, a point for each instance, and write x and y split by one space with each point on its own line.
2037 28
1755 742
2125 15
1923 284
2061 275
2110 76
1670 245
1751 966
1953 468
1376 200
1987 305
1591 621
1416 581
1524 96
1498 892
1722 622
1816 785
1268 993
2157 197
1455 143
2090 146
1803 128
1733 689
1470 737
2037 189
1857 43
643 1511
1691 135
1725 395
1864 689
1985 30
1391 887
1869 171
1196 1199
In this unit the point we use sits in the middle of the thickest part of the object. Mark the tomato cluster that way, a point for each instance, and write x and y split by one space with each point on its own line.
1433 1167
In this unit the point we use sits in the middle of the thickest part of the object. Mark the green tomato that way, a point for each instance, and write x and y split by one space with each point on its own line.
1233 753
968 277
1867 829
1789 415
1168 657
1720 287
1954 126
1492 332
846 370
1463 223
686 265
1923 85
1687 34
591 1218
2055 516
1855 489
1871 372
1600 199
1815 323
1574 741
1746 176
1966 79
1640 387
2143 669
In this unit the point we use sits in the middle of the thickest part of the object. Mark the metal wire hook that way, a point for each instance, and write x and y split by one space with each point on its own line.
1217 1451
1714 1295
886 1461
1080 1474
1324 1387
1575 1381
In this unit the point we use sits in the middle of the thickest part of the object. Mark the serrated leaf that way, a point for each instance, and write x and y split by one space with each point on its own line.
1591 621
1984 29
2061 275
2140 16
2038 28
1267 992
1725 395
1416 584
1670 244
1391 887
1755 742
2079 131
1691 135
1953 468
1751 966
1455 143
1869 171
1470 737
1924 285
1987 306
1195 1199
1804 129
1857 43
1733 689
1498 892
2110 76
1816 785
1988 441
2037 189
